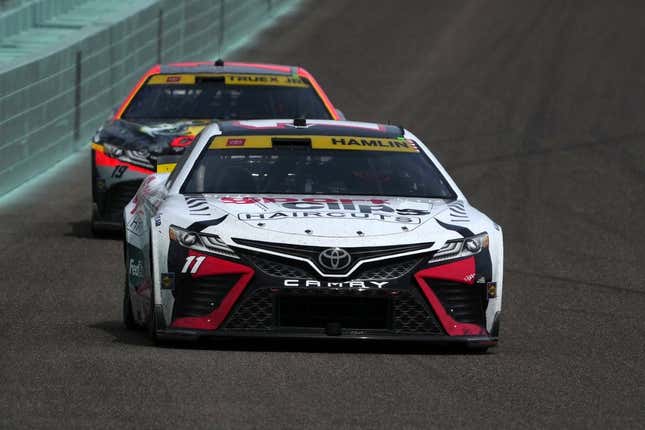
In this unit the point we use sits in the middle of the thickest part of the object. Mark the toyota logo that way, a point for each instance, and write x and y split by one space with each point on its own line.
334 259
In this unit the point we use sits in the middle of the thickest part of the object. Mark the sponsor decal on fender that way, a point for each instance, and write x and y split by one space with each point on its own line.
135 226
136 268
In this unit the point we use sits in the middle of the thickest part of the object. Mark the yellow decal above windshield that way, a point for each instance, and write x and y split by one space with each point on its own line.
231 79
317 142
281 81
171 79
166 167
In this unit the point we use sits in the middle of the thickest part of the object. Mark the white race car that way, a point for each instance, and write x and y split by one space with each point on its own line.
311 229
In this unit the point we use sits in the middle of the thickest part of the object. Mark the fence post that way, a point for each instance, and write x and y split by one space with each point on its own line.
221 27
77 97
160 36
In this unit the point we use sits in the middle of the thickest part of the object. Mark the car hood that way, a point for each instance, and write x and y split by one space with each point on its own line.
153 136
320 220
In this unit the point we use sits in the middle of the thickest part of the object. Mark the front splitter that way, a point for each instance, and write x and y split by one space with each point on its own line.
186 335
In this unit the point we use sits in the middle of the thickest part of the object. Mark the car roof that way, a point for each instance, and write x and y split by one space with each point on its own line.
288 127
229 67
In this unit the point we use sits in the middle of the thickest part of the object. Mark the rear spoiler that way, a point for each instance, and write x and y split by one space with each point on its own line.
167 163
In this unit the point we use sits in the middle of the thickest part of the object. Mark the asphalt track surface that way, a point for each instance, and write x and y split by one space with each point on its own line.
537 110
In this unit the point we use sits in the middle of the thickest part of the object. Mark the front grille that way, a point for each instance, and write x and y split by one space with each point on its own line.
388 271
410 316
196 297
312 253
254 313
279 267
399 312
317 309
465 303
117 198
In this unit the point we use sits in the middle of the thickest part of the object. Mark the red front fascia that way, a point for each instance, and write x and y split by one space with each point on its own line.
103 160
462 271
213 266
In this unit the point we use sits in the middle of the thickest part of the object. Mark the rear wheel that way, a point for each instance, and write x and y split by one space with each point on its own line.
94 227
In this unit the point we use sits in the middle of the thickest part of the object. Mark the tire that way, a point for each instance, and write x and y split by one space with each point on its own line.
128 316
94 228
98 229
152 323
152 319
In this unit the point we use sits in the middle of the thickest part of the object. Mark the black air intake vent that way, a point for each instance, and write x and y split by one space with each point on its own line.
380 310
465 303
196 297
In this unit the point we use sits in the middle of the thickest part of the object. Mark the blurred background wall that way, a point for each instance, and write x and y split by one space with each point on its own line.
64 64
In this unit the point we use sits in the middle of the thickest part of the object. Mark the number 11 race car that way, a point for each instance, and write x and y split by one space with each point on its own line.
311 229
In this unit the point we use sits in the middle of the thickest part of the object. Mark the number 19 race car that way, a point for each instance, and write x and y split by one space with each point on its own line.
172 103
311 229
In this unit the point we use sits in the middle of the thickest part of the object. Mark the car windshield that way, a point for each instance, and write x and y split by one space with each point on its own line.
218 98
303 170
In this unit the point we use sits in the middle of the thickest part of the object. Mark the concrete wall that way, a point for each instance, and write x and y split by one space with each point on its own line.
23 15
47 112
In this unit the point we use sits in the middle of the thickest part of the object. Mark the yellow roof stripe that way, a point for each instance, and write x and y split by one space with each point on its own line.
356 143
166 167
230 79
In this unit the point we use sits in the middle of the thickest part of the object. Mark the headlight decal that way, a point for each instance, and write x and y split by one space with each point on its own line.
103 160
137 158
204 242
460 248
464 231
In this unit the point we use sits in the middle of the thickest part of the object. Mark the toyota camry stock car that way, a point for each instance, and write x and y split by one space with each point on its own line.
311 229
170 105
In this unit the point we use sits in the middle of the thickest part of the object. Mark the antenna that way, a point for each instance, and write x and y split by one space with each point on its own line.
300 121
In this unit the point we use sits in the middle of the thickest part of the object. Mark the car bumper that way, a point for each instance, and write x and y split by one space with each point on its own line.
173 334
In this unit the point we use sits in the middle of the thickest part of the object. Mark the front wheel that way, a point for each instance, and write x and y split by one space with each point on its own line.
153 324
153 318
128 315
